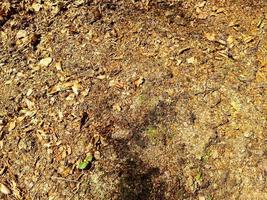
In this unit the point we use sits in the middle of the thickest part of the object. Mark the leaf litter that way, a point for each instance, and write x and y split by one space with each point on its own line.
84 81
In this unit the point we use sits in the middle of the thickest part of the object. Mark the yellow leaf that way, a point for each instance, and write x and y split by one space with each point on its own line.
45 62
11 125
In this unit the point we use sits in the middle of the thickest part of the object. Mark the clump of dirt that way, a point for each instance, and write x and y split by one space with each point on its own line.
133 99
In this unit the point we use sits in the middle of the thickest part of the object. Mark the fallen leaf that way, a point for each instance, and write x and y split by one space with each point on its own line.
117 107
248 39
84 119
45 62
63 86
21 34
220 10
235 103
85 92
203 15
76 87
191 60
29 103
11 125
201 4
85 163
36 7
230 41
139 81
29 92
4 189
58 66
178 62
210 36
82 165
101 77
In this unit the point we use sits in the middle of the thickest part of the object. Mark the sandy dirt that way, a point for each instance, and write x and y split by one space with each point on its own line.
133 100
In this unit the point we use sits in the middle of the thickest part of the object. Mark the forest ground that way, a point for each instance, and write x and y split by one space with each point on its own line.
133 99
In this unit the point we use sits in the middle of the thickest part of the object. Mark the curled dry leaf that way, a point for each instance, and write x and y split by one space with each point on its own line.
74 85
139 81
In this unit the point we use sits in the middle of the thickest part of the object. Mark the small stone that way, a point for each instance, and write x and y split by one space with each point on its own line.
45 62
4 189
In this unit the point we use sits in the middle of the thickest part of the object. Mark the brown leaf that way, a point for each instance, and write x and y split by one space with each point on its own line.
139 81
